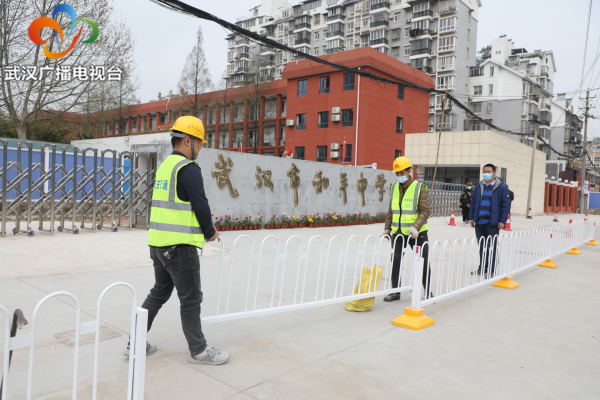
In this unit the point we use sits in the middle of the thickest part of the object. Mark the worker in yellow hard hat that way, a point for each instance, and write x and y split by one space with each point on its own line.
180 222
406 222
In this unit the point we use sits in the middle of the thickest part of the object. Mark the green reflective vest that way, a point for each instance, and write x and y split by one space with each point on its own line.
403 216
172 220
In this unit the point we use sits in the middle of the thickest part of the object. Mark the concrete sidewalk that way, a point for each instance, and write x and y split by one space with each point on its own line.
539 341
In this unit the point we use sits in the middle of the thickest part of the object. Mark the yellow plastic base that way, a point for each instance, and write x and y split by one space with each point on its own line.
506 283
415 320
548 264
575 251
592 242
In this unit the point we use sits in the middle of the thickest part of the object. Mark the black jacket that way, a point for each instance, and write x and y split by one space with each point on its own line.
465 198
190 187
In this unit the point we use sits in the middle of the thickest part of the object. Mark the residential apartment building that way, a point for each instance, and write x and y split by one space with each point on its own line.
512 88
438 37
314 112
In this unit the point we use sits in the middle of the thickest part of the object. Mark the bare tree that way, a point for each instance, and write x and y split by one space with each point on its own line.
25 99
224 97
254 89
195 77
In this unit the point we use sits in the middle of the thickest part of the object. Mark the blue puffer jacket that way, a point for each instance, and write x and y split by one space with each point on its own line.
500 202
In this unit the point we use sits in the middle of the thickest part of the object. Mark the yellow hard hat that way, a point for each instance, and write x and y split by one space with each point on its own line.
189 125
401 163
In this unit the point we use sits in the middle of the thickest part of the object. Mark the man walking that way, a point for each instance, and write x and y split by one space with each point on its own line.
465 202
490 205
407 221
179 222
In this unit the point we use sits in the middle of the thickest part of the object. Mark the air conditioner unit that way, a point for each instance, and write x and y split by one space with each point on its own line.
335 146
335 110
335 117
435 15
356 42
391 17
408 20
334 154
290 122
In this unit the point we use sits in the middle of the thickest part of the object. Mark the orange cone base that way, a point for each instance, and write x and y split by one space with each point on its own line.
548 264
452 223
575 251
592 242
506 283
414 320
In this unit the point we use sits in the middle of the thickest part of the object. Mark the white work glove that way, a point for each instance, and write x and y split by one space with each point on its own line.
414 232
387 233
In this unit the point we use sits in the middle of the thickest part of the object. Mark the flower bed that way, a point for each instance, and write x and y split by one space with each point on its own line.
230 223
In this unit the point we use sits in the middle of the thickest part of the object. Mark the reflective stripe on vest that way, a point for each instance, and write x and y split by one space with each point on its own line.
403 216
172 220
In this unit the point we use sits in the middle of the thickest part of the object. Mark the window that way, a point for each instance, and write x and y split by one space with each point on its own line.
347 153
324 119
163 118
397 153
407 32
302 87
317 19
447 43
491 88
300 122
525 89
447 24
321 153
442 80
468 52
407 50
398 16
349 81
285 14
317 35
299 153
399 121
476 108
489 107
468 34
311 6
477 90
347 117
366 22
421 7
400 92
491 71
316 51
324 84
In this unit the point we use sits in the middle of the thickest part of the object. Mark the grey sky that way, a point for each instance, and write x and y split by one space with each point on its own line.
164 38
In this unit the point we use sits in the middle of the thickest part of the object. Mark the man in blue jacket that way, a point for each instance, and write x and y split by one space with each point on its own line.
490 205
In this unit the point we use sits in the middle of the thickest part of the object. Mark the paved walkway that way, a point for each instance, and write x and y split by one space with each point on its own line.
541 341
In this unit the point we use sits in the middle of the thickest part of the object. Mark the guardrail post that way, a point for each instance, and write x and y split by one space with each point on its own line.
592 241
574 239
414 317
548 263
137 360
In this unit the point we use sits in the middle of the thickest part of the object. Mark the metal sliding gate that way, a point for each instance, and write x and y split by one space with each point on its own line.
445 198
74 189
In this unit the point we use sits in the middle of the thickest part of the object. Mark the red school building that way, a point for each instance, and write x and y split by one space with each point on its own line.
312 111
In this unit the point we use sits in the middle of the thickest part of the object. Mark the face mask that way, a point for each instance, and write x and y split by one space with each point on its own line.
469 187
487 177
401 179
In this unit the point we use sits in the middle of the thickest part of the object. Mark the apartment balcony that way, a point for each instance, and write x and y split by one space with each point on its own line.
239 70
427 69
304 25
266 49
473 72
446 125
533 117
424 13
333 50
416 52
545 122
380 5
302 41
334 33
443 68
337 17
382 22
535 97
415 33
448 6
378 41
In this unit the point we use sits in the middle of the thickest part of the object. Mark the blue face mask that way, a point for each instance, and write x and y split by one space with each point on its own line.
401 179
487 177
469 187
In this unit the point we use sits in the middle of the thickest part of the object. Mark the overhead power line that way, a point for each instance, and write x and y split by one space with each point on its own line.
186 9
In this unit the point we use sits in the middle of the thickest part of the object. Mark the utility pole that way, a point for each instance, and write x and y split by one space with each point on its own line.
584 153
528 210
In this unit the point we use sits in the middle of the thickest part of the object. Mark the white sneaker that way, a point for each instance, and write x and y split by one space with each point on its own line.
150 349
464 223
211 356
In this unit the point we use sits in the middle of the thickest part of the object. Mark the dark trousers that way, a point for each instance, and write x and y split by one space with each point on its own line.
422 238
181 272
465 213
487 231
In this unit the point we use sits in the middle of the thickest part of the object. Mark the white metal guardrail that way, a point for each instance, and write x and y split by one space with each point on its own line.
137 359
